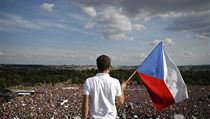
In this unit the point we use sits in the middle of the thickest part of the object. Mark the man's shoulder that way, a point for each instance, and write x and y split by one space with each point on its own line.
96 77
91 78
114 79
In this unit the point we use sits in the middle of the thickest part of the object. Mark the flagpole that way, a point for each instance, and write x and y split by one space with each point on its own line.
130 76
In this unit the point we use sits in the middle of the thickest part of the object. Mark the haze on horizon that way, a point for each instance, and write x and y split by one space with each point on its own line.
78 31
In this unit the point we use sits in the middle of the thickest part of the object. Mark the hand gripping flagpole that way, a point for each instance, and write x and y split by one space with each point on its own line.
130 76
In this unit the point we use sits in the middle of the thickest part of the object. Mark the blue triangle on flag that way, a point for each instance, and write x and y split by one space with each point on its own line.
153 64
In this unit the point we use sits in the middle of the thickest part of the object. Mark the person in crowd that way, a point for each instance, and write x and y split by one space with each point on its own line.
101 91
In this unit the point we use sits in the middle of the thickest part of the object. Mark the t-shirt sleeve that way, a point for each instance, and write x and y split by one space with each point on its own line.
118 89
86 90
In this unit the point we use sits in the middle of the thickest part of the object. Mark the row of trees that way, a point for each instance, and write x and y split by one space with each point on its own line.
12 77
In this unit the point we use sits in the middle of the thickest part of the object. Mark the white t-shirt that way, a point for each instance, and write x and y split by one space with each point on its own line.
102 90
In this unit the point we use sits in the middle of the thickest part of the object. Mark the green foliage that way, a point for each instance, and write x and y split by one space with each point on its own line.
35 76
200 77
3 83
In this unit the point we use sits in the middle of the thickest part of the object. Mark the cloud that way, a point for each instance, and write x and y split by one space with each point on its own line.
187 57
47 7
184 15
150 8
90 11
111 23
10 22
90 25
188 54
170 15
76 16
131 59
119 36
167 41
60 25
196 22
138 27
1 54
155 42
52 24
142 55
14 22
48 56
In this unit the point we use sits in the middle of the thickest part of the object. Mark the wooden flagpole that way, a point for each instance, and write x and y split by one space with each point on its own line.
130 76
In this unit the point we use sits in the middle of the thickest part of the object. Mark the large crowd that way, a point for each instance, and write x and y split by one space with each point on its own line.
64 101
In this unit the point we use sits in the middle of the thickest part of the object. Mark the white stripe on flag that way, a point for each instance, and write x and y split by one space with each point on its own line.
173 79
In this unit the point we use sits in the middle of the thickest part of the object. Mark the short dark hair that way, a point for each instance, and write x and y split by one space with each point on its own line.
103 62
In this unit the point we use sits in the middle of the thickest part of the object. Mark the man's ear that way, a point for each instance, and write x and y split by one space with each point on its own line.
109 69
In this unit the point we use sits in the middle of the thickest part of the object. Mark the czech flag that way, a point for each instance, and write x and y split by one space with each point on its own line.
162 79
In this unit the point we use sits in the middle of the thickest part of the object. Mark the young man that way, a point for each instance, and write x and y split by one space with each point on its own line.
101 91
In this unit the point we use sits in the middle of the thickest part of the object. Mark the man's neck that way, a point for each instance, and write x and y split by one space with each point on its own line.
105 71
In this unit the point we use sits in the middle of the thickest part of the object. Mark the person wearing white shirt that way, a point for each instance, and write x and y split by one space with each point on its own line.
101 91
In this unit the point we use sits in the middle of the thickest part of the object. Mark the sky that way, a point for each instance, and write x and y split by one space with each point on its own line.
58 32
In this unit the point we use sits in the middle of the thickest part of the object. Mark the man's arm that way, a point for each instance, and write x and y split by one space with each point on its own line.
120 99
85 106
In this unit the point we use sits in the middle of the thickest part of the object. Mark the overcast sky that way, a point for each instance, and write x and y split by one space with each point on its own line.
78 31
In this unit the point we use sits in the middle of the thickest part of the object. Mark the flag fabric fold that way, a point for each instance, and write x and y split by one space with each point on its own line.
162 79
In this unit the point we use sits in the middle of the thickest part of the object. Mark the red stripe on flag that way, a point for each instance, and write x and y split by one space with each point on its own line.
158 91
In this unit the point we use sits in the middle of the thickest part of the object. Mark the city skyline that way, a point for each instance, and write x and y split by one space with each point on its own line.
77 32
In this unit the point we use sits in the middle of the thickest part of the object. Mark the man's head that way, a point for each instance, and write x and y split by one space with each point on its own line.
103 63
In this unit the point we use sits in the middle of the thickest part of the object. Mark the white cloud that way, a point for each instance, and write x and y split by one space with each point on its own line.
188 54
138 27
90 25
120 57
13 22
111 23
204 36
192 17
76 16
167 41
112 19
155 42
120 36
126 58
142 55
192 21
47 7
90 11
49 24
48 56
171 15
60 25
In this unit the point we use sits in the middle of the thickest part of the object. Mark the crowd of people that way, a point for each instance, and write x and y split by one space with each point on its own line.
64 101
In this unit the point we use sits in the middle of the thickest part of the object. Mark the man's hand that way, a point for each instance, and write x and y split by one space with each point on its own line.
120 99
123 85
